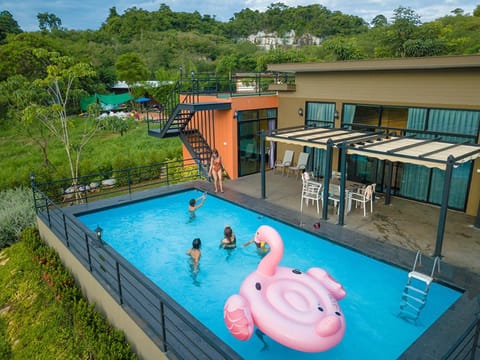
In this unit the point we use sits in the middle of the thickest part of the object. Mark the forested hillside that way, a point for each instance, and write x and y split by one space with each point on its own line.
37 69
165 40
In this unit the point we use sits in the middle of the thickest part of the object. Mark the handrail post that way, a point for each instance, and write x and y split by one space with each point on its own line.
164 332
32 185
119 283
129 182
65 229
87 243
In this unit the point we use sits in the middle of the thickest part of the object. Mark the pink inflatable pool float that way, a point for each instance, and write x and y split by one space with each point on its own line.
296 309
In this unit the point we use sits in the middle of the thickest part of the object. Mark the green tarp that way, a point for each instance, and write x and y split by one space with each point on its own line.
108 102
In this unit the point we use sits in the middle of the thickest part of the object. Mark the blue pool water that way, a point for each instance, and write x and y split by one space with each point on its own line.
154 235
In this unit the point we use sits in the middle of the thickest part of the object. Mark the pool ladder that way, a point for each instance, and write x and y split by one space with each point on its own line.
414 296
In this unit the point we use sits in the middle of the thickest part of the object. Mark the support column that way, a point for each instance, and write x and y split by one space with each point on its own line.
477 220
326 178
444 207
388 190
343 175
262 163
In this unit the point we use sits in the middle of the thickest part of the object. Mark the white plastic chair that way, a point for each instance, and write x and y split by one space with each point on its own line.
363 198
286 162
311 190
334 194
336 175
301 163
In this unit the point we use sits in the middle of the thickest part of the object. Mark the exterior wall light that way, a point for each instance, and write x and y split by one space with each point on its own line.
99 231
300 111
335 114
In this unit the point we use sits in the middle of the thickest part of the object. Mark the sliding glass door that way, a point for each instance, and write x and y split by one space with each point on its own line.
250 123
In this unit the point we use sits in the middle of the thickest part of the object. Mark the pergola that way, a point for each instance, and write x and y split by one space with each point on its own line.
432 153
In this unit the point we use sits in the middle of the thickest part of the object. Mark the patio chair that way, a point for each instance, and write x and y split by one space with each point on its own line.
334 194
311 190
286 162
363 198
301 163
336 175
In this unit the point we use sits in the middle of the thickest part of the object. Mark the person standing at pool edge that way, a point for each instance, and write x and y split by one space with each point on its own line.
195 253
216 170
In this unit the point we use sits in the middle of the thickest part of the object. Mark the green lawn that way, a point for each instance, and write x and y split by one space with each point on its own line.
20 155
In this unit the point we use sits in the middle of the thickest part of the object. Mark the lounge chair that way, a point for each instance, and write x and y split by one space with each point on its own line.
301 163
286 162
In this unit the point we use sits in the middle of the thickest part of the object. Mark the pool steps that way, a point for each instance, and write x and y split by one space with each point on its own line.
415 292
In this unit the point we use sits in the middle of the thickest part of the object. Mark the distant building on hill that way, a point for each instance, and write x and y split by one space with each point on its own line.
269 41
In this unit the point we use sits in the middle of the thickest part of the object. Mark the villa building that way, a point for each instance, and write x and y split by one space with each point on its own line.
435 99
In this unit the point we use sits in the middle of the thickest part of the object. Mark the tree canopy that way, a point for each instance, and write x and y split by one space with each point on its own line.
151 45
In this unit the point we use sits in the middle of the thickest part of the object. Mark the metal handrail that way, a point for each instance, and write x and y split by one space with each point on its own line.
169 326
467 344
117 182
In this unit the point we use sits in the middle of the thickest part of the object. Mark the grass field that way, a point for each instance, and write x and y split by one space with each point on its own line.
108 150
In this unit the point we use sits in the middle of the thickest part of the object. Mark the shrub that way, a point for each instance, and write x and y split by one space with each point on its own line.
83 332
16 214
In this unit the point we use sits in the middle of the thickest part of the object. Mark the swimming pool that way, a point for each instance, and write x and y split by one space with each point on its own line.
154 234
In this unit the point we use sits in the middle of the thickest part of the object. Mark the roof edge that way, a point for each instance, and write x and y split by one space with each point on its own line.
433 62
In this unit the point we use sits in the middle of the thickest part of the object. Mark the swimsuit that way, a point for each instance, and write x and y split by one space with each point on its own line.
217 164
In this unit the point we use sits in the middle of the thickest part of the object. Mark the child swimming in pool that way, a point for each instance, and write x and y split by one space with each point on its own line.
229 240
194 204
262 247
195 253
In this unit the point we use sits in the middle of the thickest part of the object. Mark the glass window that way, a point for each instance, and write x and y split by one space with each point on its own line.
366 115
250 123
414 181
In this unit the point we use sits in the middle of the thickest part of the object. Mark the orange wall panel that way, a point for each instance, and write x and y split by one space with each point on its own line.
225 126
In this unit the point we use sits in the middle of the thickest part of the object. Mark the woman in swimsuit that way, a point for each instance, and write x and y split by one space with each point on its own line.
216 170
229 240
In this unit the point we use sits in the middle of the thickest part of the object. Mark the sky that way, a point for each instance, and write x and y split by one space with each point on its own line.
90 14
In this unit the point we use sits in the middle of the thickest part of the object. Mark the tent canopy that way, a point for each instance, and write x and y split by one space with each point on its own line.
432 153
108 102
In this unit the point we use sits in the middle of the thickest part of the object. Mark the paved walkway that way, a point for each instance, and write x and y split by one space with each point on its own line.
408 224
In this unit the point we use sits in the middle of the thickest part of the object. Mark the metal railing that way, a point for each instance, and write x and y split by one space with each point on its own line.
170 326
118 182
177 333
467 346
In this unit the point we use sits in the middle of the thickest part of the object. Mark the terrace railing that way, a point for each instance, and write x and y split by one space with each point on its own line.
171 327
118 182
177 333
467 346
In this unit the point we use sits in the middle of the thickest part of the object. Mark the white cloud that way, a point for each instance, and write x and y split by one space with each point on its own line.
90 14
